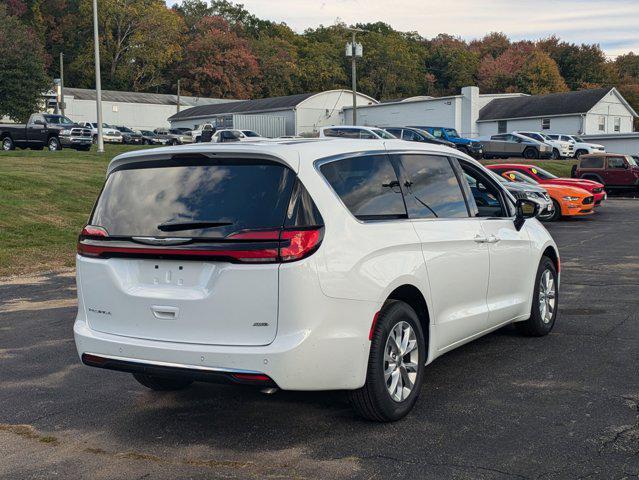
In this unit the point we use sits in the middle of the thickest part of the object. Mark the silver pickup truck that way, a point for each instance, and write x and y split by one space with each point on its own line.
506 145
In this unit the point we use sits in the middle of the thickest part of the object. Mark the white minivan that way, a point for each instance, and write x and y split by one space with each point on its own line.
314 264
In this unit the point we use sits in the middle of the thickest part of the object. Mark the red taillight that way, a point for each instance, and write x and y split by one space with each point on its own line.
251 377
93 231
302 243
284 245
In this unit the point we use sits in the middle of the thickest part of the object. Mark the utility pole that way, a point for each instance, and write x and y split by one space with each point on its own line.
62 105
98 85
354 50
178 96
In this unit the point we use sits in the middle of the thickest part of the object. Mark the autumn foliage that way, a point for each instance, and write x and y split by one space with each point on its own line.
220 49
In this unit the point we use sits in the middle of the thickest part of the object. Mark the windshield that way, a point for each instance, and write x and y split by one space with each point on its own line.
543 174
545 137
631 160
451 133
382 133
125 129
425 134
578 139
58 120
250 133
148 133
215 200
514 176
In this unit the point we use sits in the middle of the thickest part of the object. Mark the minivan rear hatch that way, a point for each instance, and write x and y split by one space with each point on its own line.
188 250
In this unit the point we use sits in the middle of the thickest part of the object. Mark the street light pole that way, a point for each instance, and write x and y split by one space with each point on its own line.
62 106
98 85
354 80
354 50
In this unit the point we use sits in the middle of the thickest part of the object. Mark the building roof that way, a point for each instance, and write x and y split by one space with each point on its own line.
246 106
137 97
553 104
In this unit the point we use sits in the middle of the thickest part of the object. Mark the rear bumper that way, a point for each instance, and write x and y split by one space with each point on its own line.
323 348
162 369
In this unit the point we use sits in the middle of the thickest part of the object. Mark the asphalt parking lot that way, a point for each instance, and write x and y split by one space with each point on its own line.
505 406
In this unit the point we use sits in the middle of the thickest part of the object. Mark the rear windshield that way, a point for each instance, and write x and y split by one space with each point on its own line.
209 200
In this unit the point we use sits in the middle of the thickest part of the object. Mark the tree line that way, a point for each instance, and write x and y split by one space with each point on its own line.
219 49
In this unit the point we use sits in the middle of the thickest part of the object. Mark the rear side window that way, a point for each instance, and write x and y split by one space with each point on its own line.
591 162
368 186
431 187
194 199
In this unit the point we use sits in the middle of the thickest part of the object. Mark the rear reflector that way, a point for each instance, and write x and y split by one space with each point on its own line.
251 377
372 332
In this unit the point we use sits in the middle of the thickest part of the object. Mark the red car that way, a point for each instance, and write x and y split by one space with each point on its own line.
544 177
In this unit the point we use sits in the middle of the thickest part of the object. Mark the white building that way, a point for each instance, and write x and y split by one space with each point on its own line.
139 111
290 115
583 112
474 115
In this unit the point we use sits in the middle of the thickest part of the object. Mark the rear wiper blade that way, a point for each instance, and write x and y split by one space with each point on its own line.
192 225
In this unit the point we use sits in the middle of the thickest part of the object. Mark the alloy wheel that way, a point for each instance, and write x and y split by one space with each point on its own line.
6 145
401 357
547 296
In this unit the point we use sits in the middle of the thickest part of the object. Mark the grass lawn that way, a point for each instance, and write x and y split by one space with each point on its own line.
46 198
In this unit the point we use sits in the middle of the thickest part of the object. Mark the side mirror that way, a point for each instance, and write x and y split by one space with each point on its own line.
525 209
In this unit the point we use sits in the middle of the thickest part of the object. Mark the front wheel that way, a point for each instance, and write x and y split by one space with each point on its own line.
163 384
555 154
54 144
530 153
7 144
543 312
395 365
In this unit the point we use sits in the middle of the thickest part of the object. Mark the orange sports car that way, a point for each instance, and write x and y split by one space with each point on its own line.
568 201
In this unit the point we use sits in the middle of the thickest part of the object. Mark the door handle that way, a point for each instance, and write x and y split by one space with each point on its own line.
493 239
480 239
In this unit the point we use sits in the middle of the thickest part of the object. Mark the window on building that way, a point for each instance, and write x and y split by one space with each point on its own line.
502 126
368 186
617 124
545 123
602 123
115 108
432 189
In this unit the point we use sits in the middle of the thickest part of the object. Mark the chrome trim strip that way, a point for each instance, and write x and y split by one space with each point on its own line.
174 365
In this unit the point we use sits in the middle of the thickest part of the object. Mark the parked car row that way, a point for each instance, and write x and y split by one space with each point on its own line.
556 197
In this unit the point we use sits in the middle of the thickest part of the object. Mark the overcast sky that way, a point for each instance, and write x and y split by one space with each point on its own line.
613 24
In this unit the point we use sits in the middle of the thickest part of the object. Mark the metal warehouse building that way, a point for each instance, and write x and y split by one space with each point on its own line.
272 117
139 111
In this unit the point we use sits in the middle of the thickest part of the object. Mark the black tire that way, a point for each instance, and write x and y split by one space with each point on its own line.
95 139
7 144
198 139
147 142
580 152
54 144
162 384
538 325
174 142
84 148
555 154
531 153
373 401
556 213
